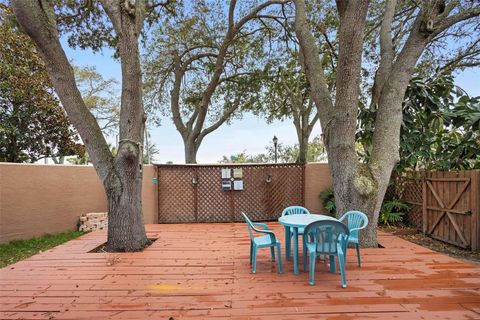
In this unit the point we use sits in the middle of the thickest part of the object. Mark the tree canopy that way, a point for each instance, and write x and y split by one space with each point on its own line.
440 128
204 65
33 125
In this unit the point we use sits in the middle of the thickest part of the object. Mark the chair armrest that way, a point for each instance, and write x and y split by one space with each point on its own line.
263 225
273 238
355 229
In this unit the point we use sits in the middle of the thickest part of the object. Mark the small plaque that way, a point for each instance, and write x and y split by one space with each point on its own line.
226 185
238 173
238 185
226 173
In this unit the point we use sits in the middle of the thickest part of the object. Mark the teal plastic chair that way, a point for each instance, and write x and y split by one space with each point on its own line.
329 238
290 211
268 240
355 221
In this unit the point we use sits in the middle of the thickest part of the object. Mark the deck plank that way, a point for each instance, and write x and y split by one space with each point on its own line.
197 275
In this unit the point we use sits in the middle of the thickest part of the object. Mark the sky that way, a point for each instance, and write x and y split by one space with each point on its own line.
250 134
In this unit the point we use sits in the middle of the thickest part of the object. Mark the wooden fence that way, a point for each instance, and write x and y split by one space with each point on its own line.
203 193
444 205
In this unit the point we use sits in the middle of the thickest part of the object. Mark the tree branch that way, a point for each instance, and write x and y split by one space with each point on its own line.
37 22
226 115
175 95
447 22
310 61
386 50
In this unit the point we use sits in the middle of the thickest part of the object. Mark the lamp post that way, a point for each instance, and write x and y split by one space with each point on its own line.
275 141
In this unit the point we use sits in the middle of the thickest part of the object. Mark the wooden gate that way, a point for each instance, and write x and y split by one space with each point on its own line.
193 193
451 207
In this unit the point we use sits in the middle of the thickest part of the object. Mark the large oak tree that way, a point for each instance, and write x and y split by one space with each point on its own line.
360 185
204 66
121 174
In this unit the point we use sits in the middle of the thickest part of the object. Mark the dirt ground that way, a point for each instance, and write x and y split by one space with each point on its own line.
415 236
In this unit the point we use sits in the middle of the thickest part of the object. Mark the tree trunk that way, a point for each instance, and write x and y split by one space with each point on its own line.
121 175
302 146
126 230
350 195
190 151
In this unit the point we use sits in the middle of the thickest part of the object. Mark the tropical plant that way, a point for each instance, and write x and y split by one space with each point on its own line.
328 200
440 128
392 212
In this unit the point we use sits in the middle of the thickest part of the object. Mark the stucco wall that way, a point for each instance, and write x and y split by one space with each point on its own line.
317 179
39 199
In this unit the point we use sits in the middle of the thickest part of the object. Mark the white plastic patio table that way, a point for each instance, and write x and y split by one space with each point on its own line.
296 221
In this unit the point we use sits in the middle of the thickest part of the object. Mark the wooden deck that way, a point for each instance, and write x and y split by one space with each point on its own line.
202 271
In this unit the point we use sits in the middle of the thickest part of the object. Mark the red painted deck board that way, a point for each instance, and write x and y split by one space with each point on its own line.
189 273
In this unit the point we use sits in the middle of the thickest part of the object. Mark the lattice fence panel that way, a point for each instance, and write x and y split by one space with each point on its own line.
408 188
175 195
285 189
250 200
213 203
267 189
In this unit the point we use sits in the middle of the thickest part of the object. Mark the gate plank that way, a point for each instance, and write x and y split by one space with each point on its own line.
449 215
475 209
424 205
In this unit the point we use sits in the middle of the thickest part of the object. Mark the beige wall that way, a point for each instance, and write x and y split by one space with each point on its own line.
39 199
317 179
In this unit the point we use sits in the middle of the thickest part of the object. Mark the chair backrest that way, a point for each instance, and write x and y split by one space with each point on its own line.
294 210
356 221
250 225
327 234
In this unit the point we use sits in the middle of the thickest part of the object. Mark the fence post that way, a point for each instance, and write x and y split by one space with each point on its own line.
303 183
475 209
424 203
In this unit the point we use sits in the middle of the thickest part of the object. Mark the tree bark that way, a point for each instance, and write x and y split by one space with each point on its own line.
190 151
362 186
122 175
353 183
302 147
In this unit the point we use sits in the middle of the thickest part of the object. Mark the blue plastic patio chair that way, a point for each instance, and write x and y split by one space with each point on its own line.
290 211
356 221
329 238
268 240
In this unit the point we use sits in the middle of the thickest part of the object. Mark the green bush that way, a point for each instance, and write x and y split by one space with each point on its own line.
328 200
392 212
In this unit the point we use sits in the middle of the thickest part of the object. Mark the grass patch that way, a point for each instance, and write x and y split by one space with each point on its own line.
21 249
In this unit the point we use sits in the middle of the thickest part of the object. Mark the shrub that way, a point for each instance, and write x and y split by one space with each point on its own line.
392 212
328 200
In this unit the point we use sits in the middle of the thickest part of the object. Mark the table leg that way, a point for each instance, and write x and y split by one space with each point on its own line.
295 250
287 242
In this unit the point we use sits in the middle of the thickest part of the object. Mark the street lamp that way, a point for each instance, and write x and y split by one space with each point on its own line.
275 141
